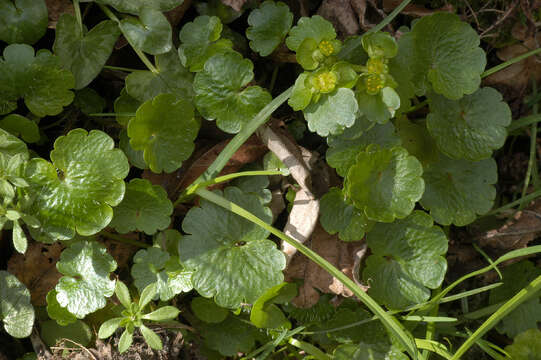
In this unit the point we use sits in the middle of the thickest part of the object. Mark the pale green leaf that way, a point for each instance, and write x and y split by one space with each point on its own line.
16 312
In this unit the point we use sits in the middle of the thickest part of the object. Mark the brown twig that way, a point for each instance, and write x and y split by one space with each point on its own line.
502 18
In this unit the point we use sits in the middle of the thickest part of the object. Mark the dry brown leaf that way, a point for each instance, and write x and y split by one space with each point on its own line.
342 15
121 252
36 269
57 8
415 10
521 229
339 253
235 4
174 16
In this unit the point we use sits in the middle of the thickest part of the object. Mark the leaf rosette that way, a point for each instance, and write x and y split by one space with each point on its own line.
269 25
75 193
221 245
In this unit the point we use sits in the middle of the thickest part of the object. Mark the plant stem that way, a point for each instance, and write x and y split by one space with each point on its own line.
120 68
309 349
123 240
77 10
224 178
526 293
533 147
389 321
524 199
221 160
390 17
111 114
139 53
512 61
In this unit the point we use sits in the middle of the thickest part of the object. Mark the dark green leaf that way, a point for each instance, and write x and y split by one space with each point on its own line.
265 314
407 260
526 346
79 332
151 32
22 21
135 6
269 25
20 126
89 101
207 310
230 336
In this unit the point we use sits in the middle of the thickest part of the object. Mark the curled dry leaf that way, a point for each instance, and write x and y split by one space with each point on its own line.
517 232
235 4
36 269
339 253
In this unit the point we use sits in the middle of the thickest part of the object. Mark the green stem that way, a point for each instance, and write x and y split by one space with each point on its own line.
523 295
512 61
139 53
309 349
390 17
389 321
123 240
420 105
431 329
273 78
111 114
524 199
221 160
525 121
77 10
533 147
120 68
225 178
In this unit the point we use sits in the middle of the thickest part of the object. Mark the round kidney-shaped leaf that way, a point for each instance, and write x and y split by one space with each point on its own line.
145 207
75 192
469 128
446 52
526 345
38 79
150 33
84 54
314 27
385 183
456 191
16 312
269 25
200 40
21 126
221 92
407 260
165 129
222 245
332 113
83 289
22 21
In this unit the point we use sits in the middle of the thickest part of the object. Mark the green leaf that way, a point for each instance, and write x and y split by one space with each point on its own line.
470 128
332 113
173 78
343 148
84 53
379 45
79 332
301 95
40 80
135 6
416 139
89 101
11 146
446 52
125 341
265 314
57 312
151 32
85 285
23 21
216 8
456 191
374 107
135 157
163 313
147 295
20 242
315 27
352 51
407 260
385 183
207 310
145 207
165 129
15 309
222 245
526 316
269 25
222 95
230 336
372 351
526 346
151 338
338 216
126 103
75 192
123 294
109 327
21 126
200 40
